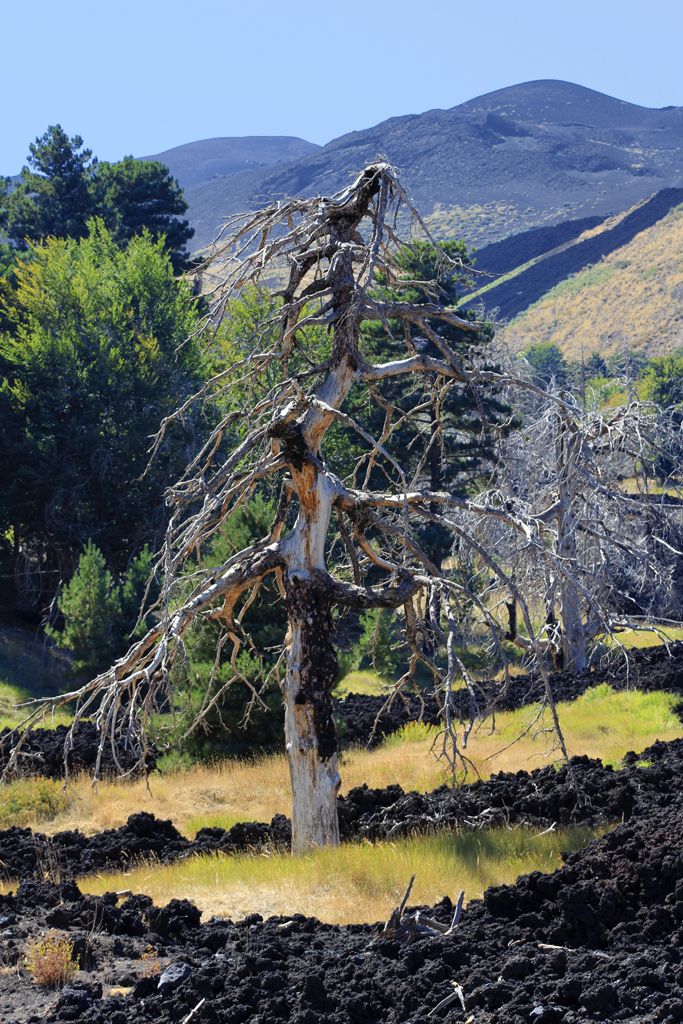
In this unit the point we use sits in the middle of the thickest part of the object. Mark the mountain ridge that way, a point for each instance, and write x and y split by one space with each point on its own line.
196 162
531 154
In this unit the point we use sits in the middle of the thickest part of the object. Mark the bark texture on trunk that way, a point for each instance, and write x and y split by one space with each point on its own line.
310 731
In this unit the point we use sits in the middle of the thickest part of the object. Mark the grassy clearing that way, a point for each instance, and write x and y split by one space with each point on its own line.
601 724
30 801
360 682
355 883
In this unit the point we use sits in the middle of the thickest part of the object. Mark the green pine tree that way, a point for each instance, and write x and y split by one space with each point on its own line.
91 606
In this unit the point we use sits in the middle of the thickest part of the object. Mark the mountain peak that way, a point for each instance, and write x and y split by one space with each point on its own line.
552 101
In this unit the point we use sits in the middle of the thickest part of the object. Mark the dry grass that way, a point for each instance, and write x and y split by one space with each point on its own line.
600 724
482 224
633 295
355 883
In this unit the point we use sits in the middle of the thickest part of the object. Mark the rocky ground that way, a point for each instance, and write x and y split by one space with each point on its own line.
598 940
43 752
538 799
357 715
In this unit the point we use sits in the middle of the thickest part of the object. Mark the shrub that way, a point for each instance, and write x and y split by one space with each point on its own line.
50 960
148 965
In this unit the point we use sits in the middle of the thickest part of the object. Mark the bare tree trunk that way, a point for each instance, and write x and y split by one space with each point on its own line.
310 732
573 633
309 727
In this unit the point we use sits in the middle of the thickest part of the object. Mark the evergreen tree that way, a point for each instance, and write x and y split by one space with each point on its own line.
54 197
456 448
377 647
136 195
63 187
226 729
100 615
91 606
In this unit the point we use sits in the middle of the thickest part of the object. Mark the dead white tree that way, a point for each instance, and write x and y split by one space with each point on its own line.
278 401
610 544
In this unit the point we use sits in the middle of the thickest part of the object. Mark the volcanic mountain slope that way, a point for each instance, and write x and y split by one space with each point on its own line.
529 155
535 261
199 162
633 296
218 174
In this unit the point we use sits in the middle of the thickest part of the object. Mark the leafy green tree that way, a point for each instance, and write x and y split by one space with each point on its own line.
548 363
133 195
54 196
95 363
662 381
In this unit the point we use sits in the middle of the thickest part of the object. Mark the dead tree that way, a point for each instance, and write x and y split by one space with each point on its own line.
291 390
609 555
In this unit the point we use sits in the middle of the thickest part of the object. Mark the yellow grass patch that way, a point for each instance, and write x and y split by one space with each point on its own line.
601 724
352 884
360 682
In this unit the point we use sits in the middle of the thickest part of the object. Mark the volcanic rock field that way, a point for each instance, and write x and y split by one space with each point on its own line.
599 939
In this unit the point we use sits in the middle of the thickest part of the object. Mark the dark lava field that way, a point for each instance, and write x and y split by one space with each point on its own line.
600 939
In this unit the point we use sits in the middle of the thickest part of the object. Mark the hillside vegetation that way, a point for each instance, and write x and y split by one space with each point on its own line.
634 297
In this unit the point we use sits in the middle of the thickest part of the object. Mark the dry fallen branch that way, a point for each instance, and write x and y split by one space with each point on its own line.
417 925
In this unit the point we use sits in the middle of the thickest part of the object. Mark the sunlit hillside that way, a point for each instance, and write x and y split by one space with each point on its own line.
634 296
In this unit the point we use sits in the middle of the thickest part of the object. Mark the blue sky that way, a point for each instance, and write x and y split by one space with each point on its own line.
142 76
